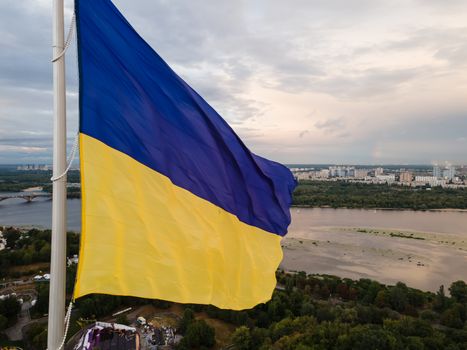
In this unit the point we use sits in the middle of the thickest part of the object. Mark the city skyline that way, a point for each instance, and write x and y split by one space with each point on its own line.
367 82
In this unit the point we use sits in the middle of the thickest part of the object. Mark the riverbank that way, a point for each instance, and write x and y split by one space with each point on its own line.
340 194
75 194
33 189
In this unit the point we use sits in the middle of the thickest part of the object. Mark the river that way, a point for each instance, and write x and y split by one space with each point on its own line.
423 249
18 212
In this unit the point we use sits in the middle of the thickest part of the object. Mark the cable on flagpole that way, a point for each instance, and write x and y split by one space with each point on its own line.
70 159
67 325
69 38
68 41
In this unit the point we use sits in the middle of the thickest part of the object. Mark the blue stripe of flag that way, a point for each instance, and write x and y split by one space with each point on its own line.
131 100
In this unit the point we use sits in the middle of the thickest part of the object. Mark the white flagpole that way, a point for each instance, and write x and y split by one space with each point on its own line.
58 247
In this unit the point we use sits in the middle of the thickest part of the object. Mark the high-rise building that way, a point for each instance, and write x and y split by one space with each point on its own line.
389 179
379 171
449 173
430 180
405 177
324 173
341 172
437 171
360 173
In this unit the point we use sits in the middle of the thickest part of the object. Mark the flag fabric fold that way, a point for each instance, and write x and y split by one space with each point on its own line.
174 205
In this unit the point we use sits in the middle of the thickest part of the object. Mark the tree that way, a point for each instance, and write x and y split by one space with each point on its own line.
371 292
369 314
40 340
441 301
44 252
87 308
11 236
414 343
409 327
452 317
343 291
42 303
382 298
287 342
324 292
122 319
71 277
36 336
9 308
242 338
187 319
416 298
258 337
349 315
398 297
276 309
307 308
198 334
366 337
324 314
282 328
3 322
458 291
428 315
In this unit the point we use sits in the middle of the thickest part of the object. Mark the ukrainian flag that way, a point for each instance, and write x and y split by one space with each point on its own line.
174 205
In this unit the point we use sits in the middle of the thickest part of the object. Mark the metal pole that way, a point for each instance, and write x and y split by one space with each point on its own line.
58 254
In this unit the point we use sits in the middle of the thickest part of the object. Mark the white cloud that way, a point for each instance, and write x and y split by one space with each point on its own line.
21 149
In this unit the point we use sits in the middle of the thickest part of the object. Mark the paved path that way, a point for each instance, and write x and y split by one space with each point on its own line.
14 333
24 318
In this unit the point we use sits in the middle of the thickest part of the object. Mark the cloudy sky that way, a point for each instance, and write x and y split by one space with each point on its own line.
304 81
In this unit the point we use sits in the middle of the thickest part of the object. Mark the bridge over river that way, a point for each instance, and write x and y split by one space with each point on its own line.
28 197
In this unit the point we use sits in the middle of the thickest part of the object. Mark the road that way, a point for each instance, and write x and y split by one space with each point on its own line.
14 332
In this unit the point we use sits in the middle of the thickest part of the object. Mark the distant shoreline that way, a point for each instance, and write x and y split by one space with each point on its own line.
364 208
75 195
